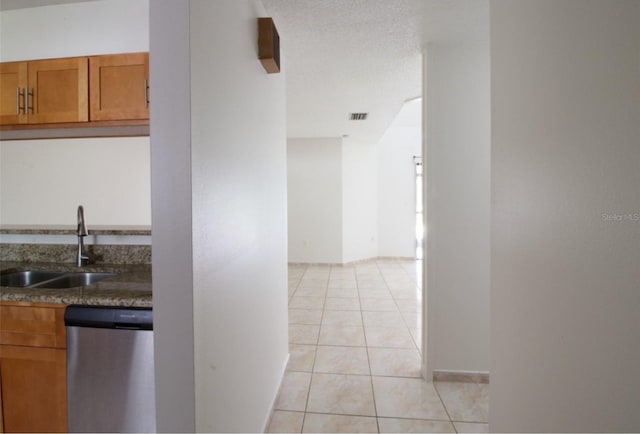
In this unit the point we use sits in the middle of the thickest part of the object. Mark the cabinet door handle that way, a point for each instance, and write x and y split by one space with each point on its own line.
26 100
146 93
18 95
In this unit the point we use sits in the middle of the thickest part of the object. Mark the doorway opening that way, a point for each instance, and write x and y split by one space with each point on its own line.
417 162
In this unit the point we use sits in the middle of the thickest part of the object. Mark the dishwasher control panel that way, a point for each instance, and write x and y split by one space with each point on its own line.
109 317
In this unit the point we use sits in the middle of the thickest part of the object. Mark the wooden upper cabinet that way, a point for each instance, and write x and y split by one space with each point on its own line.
13 81
106 90
119 86
44 91
58 89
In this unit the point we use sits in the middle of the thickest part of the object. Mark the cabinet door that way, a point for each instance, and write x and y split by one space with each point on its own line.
13 81
1 422
118 86
34 389
32 325
59 88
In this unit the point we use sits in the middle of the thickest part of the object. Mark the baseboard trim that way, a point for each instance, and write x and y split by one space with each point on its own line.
398 258
461 376
275 398
355 262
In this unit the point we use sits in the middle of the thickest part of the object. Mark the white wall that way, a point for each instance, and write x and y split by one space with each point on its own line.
396 182
332 200
172 248
109 176
74 29
349 200
239 215
236 179
359 201
565 275
314 188
42 182
457 119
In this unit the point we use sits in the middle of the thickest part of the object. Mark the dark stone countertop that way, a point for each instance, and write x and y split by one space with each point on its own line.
73 230
131 286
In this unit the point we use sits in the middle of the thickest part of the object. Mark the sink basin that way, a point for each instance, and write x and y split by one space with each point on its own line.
51 279
21 279
72 280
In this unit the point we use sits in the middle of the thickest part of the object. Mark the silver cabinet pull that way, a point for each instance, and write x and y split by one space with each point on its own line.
17 100
18 96
146 93
26 100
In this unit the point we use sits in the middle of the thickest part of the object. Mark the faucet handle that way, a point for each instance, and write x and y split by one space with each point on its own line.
82 227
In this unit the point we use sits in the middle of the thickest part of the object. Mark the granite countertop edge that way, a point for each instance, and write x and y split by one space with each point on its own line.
72 230
130 287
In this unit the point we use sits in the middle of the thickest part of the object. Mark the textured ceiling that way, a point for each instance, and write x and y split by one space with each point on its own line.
344 56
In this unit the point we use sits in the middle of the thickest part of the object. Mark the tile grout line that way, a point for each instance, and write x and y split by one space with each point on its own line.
445 407
368 273
315 353
315 357
395 301
364 375
366 345
408 330
418 287
404 321
379 417
290 297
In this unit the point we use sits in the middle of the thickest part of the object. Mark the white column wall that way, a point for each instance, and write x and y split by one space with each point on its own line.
566 216
457 160
359 201
396 183
315 213
332 200
172 247
239 193
219 195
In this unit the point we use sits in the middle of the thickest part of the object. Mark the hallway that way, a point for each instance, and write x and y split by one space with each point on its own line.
354 341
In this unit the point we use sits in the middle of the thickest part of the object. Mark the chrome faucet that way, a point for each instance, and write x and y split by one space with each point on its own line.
82 257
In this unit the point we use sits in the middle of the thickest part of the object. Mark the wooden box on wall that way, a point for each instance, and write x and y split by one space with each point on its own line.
268 45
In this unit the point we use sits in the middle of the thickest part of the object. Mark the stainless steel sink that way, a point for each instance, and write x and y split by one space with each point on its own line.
51 279
21 279
73 280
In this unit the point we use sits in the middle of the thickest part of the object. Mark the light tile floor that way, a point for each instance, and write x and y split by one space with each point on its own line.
354 344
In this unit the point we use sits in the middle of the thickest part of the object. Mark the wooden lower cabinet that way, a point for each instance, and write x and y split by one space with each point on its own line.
33 372
33 389
1 420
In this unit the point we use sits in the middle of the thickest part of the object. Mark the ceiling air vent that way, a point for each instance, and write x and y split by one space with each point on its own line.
358 116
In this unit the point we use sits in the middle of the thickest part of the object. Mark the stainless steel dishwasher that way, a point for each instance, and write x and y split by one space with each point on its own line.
110 370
